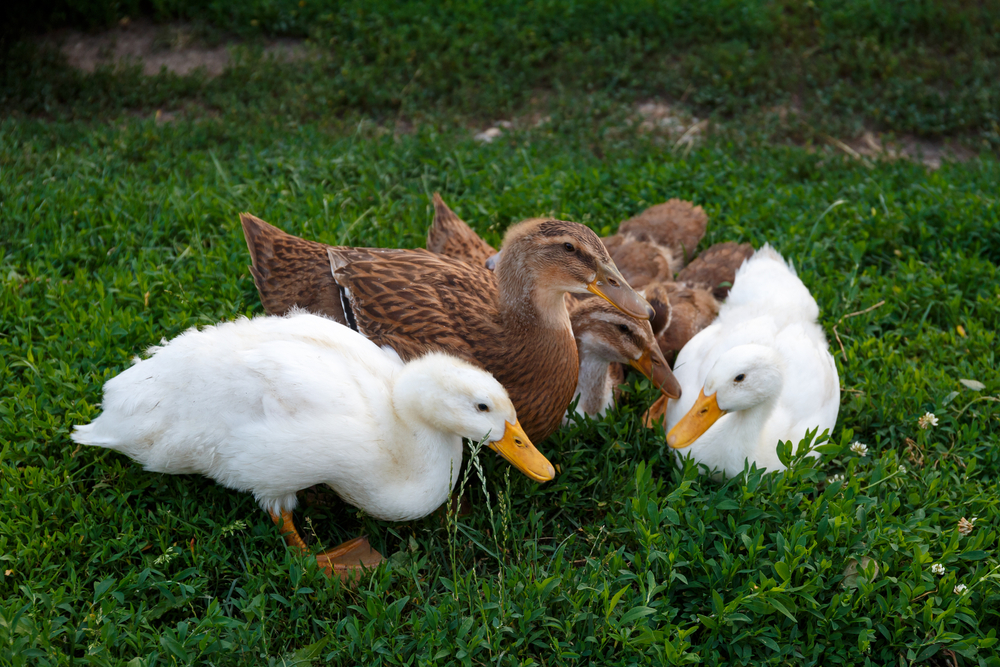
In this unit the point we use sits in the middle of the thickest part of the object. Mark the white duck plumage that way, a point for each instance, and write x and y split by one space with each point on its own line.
764 372
274 405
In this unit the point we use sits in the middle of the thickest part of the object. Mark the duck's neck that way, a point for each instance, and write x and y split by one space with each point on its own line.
525 302
541 364
594 386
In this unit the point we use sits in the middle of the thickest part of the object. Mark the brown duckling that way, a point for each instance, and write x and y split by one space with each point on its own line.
641 262
513 323
680 313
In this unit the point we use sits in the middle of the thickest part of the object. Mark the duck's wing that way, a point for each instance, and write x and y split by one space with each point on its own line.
289 271
449 235
676 224
691 310
810 397
640 262
415 301
715 268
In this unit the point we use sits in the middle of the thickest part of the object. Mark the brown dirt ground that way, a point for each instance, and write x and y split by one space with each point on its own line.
176 48
173 46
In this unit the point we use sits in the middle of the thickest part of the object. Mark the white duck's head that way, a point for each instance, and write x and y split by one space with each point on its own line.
454 397
746 379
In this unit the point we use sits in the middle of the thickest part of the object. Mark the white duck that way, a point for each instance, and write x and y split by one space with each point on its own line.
762 372
274 405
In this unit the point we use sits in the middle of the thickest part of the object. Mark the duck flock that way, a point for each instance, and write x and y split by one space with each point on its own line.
373 365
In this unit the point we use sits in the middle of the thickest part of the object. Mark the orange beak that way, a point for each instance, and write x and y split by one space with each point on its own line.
699 419
520 453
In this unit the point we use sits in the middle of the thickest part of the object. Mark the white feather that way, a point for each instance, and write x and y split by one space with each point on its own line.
768 306
274 405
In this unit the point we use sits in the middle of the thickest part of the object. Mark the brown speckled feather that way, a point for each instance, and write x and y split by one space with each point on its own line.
639 261
290 271
691 310
415 301
715 268
675 224
450 235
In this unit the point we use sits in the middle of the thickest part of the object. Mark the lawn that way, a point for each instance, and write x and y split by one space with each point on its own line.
117 231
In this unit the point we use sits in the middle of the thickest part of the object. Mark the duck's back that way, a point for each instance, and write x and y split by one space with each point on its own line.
231 400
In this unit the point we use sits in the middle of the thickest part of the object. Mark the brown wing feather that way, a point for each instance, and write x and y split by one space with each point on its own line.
691 310
676 224
289 271
449 235
715 268
416 301
640 262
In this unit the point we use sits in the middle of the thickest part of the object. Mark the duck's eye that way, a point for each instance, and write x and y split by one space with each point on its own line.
740 377
569 247
623 328
482 407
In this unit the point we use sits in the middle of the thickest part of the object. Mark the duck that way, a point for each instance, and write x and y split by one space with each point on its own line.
714 269
676 225
512 322
689 303
275 404
760 374
606 338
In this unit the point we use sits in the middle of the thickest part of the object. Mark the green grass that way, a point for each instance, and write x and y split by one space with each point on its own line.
117 235
927 68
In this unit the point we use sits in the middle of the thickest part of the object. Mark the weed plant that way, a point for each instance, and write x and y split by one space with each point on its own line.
115 235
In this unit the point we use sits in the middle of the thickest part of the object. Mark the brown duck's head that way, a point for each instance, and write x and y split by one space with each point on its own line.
562 257
607 333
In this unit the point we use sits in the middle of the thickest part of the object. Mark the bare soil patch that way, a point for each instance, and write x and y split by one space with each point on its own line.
174 46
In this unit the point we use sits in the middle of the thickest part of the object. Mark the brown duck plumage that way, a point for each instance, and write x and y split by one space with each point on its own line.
676 224
680 312
514 323
605 336
714 269
449 235
641 262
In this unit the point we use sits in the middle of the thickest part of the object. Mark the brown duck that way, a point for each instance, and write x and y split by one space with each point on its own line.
513 323
605 336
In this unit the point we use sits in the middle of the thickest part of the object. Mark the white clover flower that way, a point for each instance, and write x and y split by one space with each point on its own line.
938 569
839 477
901 469
927 421
859 448
965 526
961 588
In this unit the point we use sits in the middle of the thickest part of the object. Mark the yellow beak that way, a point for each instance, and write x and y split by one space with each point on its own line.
699 419
516 447
609 284
654 366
